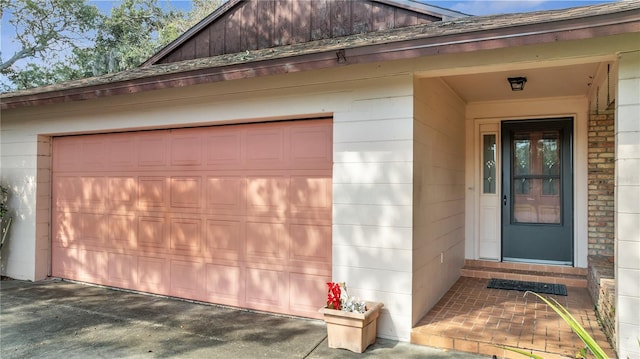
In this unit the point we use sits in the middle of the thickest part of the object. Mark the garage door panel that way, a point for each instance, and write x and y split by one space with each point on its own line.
224 149
186 235
79 192
121 231
311 146
152 148
122 192
152 232
187 279
311 197
152 192
224 239
94 228
67 229
305 289
186 192
266 289
265 148
186 148
123 270
67 150
266 242
121 149
225 284
93 266
67 262
94 190
153 275
67 192
93 155
268 196
312 243
225 194
237 215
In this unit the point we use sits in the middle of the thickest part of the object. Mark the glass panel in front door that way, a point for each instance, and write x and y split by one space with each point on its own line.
536 177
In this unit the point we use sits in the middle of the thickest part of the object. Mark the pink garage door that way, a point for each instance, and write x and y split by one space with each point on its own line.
237 215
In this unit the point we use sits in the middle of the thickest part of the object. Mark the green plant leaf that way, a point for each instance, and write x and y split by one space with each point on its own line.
575 326
520 351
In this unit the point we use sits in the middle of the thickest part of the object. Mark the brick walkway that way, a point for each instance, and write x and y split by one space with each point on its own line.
473 318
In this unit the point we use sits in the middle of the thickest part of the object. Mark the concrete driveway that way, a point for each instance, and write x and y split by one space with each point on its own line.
60 319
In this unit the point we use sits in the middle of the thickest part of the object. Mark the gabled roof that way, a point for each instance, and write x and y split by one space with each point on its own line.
457 36
247 25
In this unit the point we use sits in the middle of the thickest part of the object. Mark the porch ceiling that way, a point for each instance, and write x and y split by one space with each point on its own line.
574 80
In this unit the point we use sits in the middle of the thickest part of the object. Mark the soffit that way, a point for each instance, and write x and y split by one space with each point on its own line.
574 80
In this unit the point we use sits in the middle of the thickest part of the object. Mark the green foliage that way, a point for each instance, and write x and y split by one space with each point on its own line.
590 344
45 29
199 10
521 351
5 220
126 38
65 40
4 198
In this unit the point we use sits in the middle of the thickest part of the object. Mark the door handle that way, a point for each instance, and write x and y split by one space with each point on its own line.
504 200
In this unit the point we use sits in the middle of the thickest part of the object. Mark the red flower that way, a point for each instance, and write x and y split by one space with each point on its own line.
333 296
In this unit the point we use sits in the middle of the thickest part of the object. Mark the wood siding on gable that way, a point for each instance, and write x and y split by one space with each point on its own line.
260 24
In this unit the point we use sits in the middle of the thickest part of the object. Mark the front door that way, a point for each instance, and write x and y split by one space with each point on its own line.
537 191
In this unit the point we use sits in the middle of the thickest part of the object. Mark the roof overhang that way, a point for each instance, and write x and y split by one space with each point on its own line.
459 36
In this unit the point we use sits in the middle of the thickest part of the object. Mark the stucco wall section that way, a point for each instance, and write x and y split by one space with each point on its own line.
628 206
439 218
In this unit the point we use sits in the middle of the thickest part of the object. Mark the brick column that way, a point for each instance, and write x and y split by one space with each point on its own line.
601 181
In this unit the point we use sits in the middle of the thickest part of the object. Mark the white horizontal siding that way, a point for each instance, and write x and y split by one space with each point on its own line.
389 259
372 215
371 152
396 194
373 236
438 237
373 173
372 131
628 206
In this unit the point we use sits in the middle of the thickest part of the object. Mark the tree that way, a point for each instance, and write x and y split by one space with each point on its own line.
126 38
199 10
46 28
121 40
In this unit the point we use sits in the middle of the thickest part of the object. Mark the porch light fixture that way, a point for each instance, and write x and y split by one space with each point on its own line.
517 83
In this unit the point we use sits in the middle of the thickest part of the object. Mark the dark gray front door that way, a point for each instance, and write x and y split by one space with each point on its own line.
537 191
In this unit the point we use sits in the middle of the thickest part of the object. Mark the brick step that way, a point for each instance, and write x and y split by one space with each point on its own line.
569 276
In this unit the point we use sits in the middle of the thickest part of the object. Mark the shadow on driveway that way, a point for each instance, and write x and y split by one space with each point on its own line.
60 319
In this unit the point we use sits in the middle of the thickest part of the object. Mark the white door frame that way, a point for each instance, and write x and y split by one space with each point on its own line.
485 118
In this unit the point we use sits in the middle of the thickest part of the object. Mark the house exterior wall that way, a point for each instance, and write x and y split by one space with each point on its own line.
372 150
627 198
438 185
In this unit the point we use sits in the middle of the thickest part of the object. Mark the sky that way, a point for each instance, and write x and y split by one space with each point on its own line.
472 7
491 7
